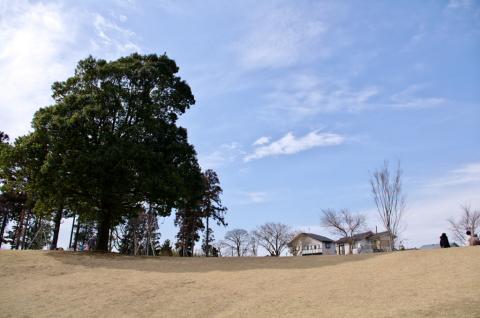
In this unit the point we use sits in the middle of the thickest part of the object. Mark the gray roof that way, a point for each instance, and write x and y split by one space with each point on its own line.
362 236
356 237
317 237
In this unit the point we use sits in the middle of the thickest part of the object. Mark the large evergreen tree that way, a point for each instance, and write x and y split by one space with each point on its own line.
211 206
112 142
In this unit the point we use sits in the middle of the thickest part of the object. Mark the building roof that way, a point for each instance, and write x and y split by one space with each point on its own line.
317 237
379 234
362 236
356 237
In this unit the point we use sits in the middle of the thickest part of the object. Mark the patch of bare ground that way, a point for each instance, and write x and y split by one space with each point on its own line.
435 283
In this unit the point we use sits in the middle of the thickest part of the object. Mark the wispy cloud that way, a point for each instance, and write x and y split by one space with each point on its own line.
439 199
459 4
112 36
41 43
261 141
281 37
256 197
226 153
289 144
469 173
305 95
412 97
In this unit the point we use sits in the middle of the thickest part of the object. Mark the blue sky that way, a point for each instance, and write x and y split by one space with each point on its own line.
297 102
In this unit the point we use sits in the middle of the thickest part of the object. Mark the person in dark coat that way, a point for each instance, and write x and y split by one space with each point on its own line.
444 241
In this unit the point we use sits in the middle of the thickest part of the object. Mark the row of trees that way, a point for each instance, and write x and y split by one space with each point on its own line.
109 154
273 237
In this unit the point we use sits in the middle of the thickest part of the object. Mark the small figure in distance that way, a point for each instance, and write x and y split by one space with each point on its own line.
444 243
469 240
475 240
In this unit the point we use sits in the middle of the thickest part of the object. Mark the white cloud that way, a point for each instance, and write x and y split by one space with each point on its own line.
226 153
112 37
467 174
305 95
427 217
280 37
409 98
256 197
459 4
261 141
41 43
289 144
439 199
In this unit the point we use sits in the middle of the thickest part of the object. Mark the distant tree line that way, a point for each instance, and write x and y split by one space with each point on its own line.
272 237
110 155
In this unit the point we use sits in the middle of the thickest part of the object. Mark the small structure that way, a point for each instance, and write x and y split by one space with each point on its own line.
305 244
367 242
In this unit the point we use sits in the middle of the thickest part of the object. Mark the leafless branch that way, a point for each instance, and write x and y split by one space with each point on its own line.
468 221
274 237
389 199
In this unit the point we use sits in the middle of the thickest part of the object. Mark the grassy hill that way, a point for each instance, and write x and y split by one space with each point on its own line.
434 283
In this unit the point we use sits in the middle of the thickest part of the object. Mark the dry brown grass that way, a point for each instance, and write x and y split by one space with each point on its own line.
436 283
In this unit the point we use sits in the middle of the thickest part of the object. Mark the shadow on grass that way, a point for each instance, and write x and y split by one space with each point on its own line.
200 264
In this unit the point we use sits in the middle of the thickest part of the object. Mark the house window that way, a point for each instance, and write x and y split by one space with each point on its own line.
327 245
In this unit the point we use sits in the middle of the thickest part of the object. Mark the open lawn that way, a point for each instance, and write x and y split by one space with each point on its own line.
434 283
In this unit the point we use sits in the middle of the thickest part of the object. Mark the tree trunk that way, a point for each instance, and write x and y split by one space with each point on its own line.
4 225
110 238
103 231
24 233
56 230
75 242
18 231
207 240
71 232
392 241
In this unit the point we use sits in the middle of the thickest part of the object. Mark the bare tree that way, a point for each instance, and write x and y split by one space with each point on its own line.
253 244
468 221
343 223
274 237
389 199
237 240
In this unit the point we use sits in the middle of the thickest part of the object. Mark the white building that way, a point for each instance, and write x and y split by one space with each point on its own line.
367 242
311 244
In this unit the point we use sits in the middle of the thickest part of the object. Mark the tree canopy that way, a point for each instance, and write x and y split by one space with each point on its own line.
110 143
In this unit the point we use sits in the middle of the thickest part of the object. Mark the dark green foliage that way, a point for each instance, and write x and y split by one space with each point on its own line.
87 230
207 247
139 236
166 249
38 234
211 207
110 143
189 221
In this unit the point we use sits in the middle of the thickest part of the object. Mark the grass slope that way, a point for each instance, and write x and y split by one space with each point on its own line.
435 283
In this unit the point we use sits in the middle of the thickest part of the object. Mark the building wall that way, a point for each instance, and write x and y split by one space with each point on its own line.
330 250
305 245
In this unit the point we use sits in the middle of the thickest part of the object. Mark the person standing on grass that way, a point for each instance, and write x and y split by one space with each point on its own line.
469 240
444 243
475 240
